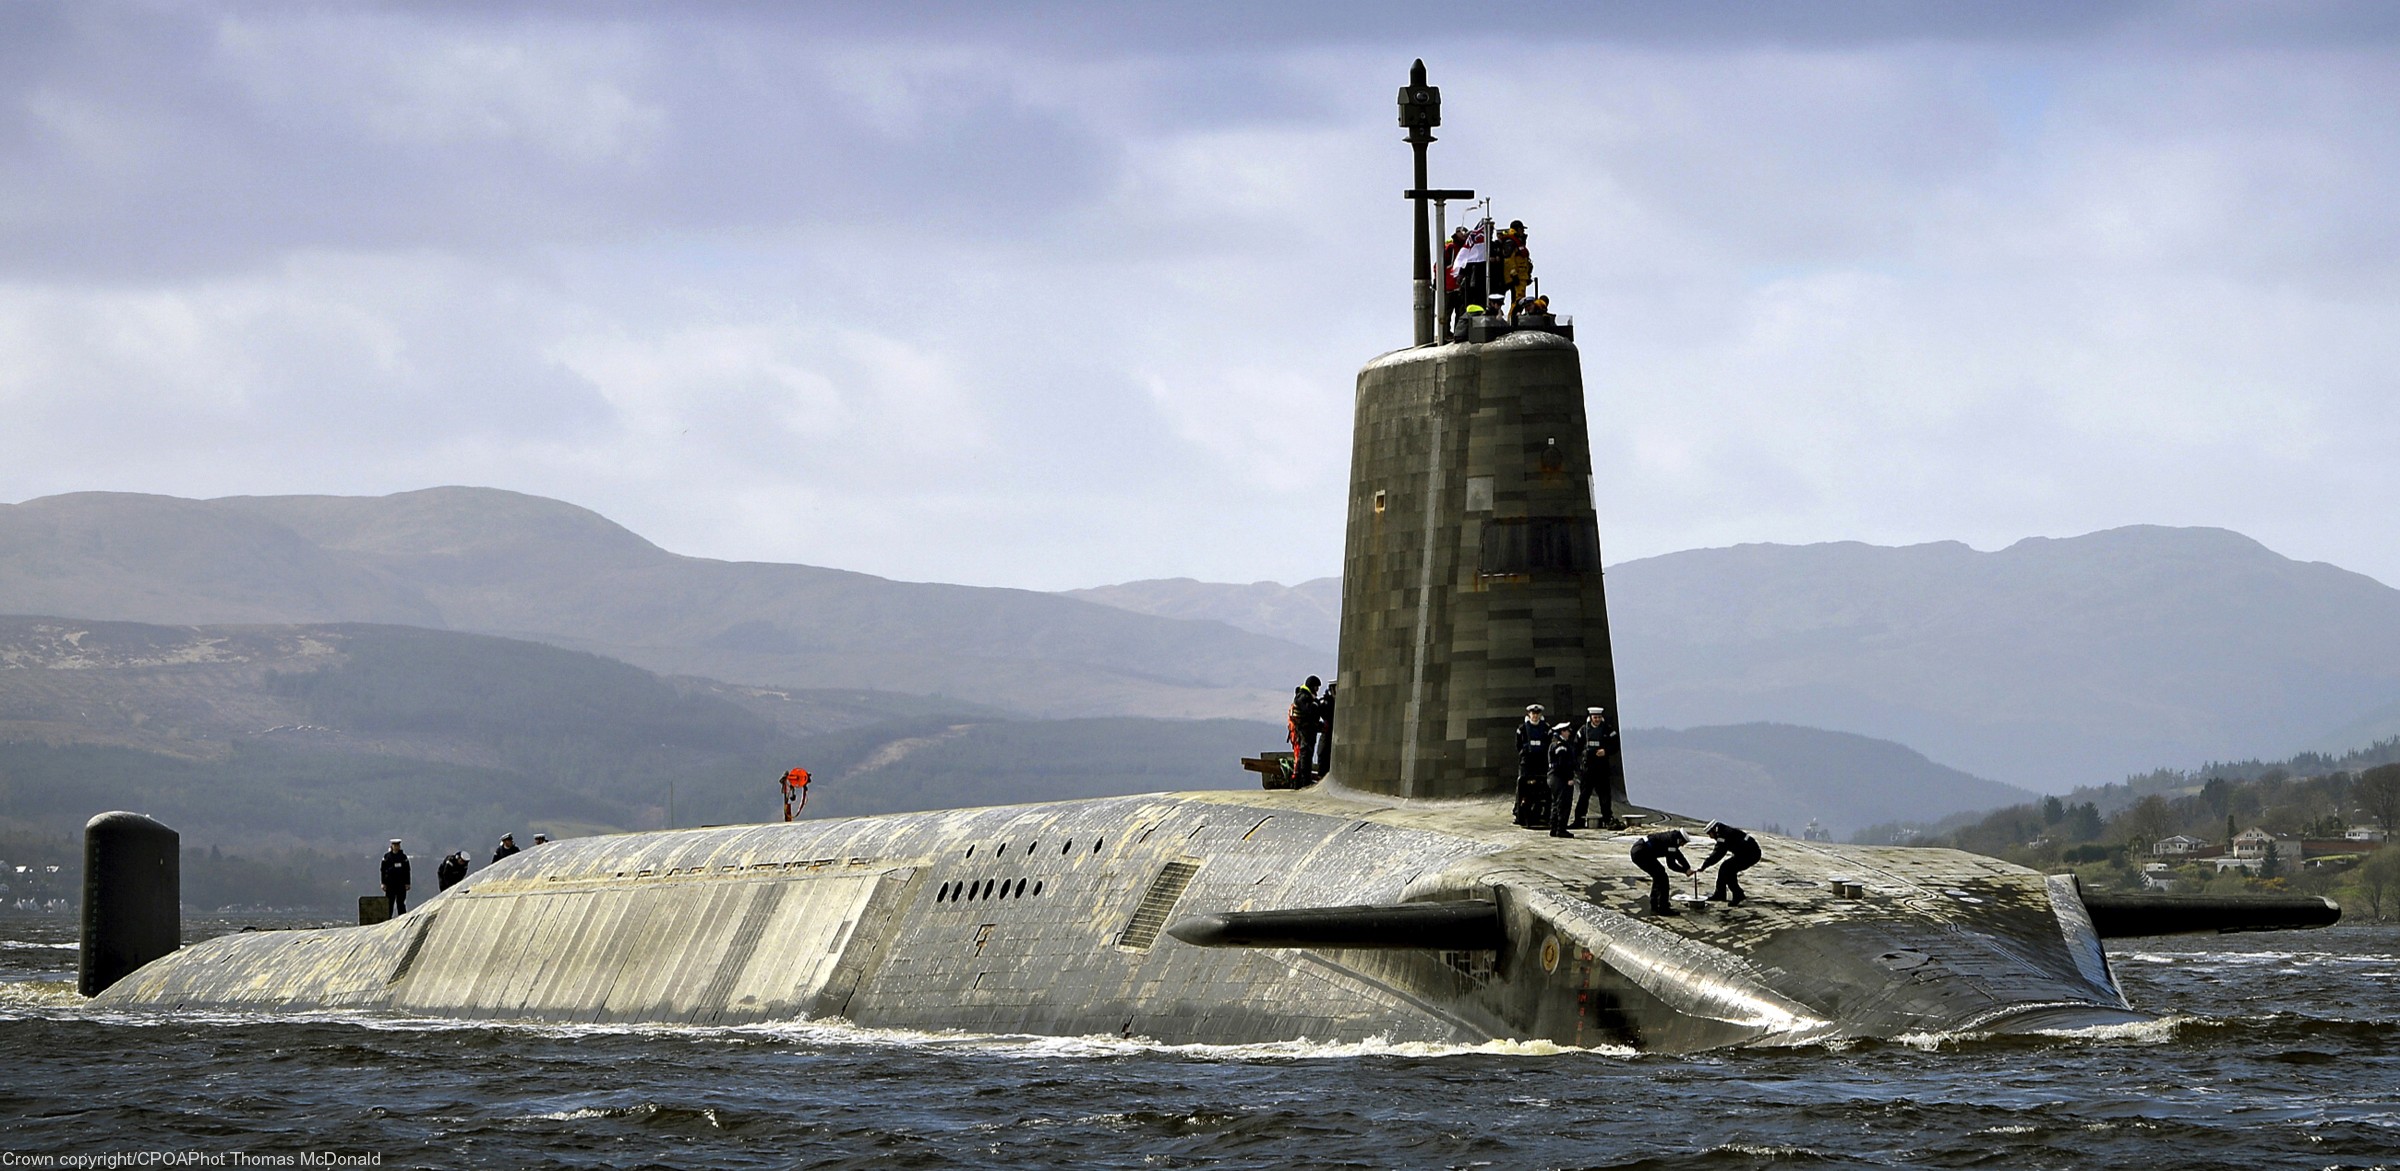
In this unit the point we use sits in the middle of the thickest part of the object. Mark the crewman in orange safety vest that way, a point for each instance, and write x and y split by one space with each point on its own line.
795 781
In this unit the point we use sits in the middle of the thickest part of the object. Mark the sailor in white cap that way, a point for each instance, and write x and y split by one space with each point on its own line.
1533 764
395 877
1595 755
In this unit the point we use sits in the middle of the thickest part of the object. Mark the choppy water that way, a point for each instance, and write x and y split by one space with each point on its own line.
2276 1051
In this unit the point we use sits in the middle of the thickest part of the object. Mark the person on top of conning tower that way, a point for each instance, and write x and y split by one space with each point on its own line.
1452 303
508 845
1516 263
1666 845
1740 852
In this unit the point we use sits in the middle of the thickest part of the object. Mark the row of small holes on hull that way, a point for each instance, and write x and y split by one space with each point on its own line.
959 892
1063 851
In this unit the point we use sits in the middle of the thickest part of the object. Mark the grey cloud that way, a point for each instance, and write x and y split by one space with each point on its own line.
1097 25
1061 296
205 144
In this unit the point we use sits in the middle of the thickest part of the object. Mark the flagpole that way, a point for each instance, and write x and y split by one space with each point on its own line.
1441 282
1486 253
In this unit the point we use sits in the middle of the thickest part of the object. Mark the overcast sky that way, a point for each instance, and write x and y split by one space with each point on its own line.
1067 295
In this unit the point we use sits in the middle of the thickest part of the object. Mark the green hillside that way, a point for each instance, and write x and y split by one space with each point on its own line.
289 754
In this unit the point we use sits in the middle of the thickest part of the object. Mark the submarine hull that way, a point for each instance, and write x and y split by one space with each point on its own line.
1052 919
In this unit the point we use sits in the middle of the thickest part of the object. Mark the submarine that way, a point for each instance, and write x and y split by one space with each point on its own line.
1396 900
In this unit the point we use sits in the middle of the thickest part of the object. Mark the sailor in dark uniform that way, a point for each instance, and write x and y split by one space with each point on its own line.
1564 751
395 877
1664 846
1740 852
1596 740
1533 763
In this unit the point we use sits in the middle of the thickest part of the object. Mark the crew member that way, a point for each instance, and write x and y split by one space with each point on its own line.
1533 761
541 839
452 871
508 846
1451 302
1740 852
1470 267
395 877
1324 730
795 782
1516 263
1597 741
1304 724
1664 846
1564 749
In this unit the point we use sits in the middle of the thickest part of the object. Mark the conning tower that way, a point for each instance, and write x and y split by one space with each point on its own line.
1471 580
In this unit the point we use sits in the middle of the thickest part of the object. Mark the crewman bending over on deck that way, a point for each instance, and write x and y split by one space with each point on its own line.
1740 852
508 846
1533 762
795 783
395 877
1563 751
453 870
1666 845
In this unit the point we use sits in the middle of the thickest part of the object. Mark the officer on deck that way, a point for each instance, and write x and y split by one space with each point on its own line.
1533 764
1596 750
1664 846
395 877
1304 723
1564 749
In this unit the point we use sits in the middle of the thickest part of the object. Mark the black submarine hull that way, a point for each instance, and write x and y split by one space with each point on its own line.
1055 919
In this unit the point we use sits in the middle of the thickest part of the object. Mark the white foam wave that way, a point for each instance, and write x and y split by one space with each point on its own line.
707 1114
2158 1031
836 1032
29 998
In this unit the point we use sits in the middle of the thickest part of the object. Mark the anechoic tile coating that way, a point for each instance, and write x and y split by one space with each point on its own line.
1014 920
1438 657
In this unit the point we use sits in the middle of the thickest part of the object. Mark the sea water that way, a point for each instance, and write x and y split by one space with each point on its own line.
2272 1050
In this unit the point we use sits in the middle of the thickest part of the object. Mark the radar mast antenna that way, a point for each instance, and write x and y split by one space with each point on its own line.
1420 112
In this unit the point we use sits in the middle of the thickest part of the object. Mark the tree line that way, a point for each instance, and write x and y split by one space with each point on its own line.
2107 837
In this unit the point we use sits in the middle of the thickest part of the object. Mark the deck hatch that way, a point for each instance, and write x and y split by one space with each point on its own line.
1150 916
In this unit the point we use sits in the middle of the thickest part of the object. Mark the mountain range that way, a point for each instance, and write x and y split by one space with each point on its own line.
336 736
485 561
1795 673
